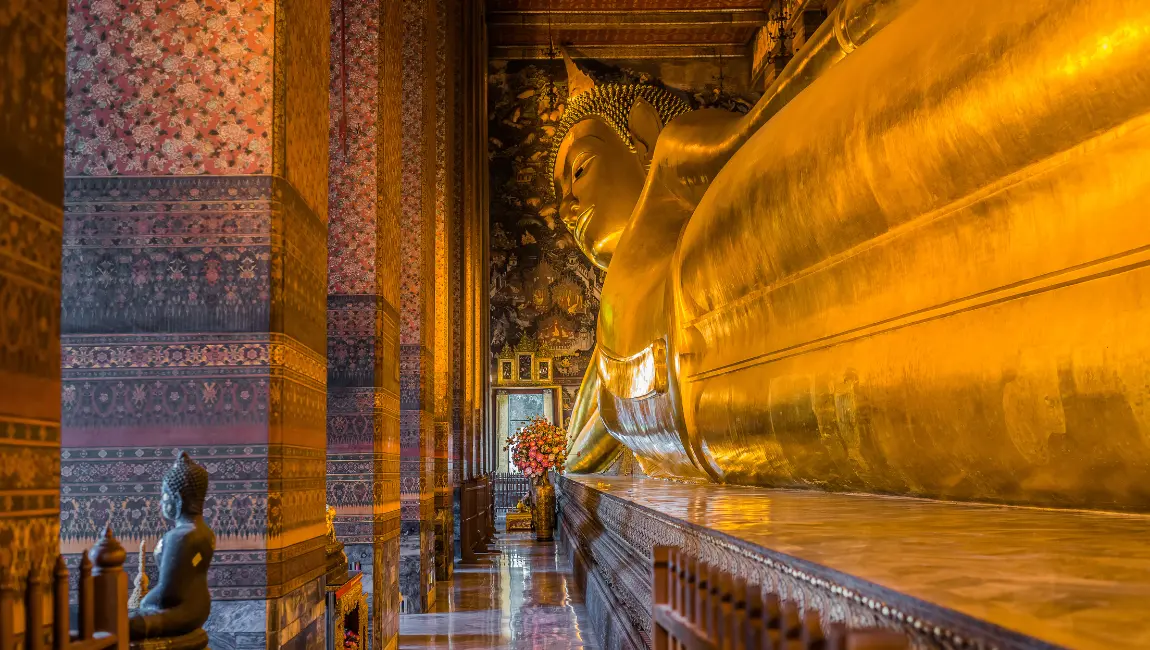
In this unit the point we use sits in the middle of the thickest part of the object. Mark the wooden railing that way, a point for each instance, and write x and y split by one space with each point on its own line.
102 599
700 607
477 517
509 490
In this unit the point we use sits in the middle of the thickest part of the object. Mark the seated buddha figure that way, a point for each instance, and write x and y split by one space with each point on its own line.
918 266
177 607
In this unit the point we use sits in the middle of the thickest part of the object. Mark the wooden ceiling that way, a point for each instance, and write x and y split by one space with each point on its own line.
606 29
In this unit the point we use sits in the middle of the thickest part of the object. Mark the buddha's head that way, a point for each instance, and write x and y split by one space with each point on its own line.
184 489
601 153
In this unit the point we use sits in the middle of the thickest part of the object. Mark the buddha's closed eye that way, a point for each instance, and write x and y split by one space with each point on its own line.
582 163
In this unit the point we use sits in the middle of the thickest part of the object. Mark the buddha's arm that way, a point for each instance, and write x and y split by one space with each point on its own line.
153 617
590 447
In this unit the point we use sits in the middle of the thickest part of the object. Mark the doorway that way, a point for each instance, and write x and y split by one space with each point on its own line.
514 409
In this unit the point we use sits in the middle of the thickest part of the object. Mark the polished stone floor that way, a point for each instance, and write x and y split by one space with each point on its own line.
1071 578
524 597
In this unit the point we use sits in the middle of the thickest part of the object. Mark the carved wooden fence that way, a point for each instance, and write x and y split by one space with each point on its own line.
700 607
509 489
34 609
477 517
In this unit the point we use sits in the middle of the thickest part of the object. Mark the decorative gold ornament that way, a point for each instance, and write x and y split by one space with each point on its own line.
140 586
522 518
577 81
329 520
543 514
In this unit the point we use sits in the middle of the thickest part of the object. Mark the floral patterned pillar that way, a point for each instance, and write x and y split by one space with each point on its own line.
417 307
31 191
194 290
445 336
457 94
363 297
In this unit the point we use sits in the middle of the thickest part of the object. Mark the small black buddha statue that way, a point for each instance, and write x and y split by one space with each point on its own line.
178 606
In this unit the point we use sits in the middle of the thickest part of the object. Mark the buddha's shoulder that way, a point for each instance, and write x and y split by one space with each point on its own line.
190 533
702 124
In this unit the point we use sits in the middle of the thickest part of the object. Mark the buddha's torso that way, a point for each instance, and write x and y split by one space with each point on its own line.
634 325
181 601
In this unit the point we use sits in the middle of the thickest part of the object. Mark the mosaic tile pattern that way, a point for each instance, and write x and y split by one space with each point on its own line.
29 370
444 297
363 413
32 46
354 104
169 87
121 486
417 306
31 154
194 302
385 602
301 99
455 265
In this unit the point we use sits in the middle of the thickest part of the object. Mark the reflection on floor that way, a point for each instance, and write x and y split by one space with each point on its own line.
524 597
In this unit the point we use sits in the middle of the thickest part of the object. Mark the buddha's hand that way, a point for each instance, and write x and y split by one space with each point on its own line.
590 448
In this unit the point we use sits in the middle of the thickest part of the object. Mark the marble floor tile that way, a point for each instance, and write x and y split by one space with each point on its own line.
523 598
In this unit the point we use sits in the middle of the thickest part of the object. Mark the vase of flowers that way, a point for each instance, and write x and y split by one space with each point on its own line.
537 449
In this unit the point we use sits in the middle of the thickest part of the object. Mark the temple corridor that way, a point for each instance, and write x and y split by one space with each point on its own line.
380 324
523 597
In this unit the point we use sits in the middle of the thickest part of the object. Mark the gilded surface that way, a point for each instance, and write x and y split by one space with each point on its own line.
916 267
31 156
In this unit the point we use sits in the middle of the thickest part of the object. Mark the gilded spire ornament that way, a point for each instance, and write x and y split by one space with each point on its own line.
578 82
141 583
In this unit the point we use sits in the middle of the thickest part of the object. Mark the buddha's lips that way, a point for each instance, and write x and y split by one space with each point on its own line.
581 222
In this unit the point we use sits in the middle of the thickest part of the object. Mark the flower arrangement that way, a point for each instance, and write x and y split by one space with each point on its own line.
350 640
538 447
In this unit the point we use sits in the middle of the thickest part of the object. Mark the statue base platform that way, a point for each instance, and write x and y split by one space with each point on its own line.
518 521
336 564
196 640
951 575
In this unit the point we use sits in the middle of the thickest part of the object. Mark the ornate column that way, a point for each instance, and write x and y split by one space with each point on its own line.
32 46
363 297
445 328
417 307
194 293
472 238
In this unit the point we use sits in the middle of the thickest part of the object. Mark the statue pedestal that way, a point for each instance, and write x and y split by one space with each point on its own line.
347 614
950 575
190 641
518 521
336 573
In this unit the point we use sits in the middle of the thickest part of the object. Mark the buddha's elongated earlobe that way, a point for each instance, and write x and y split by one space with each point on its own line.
644 125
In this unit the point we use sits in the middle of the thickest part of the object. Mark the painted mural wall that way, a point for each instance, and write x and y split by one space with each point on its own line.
544 292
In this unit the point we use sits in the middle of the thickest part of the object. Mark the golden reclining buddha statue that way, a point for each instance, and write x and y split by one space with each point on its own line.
918 266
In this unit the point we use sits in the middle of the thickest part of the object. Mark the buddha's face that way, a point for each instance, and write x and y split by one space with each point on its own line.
168 505
598 180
